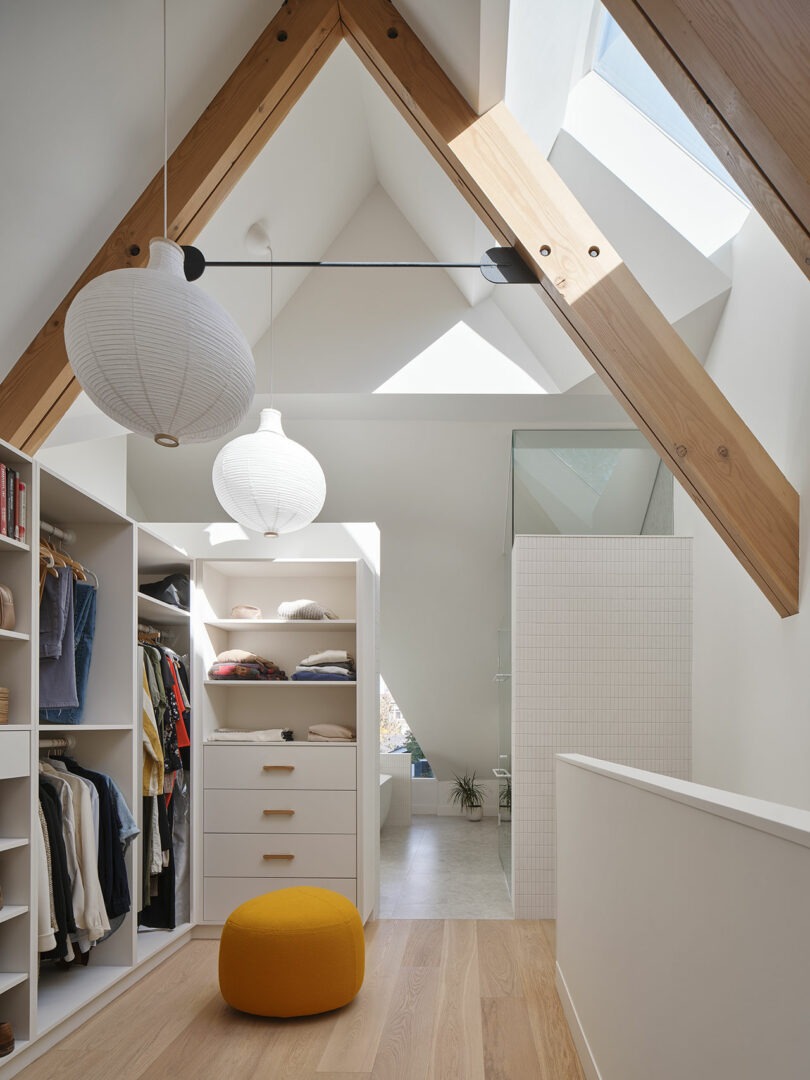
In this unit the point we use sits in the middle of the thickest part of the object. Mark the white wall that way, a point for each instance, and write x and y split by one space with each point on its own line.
98 467
601 648
751 671
81 128
683 931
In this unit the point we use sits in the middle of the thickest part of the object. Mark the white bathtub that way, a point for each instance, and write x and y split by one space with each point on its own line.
386 787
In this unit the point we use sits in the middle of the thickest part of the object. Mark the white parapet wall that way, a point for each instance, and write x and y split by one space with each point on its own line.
683 927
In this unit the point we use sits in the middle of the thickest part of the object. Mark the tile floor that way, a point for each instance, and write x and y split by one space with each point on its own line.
442 868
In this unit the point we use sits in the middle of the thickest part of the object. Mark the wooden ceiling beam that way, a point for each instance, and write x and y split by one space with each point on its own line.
204 168
644 362
740 70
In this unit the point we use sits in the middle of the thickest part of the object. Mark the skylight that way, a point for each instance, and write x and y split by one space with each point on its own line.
618 63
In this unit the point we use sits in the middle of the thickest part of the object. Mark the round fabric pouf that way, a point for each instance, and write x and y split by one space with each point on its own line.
293 952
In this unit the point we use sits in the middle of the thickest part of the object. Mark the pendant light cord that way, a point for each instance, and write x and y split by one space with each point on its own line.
165 136
270 387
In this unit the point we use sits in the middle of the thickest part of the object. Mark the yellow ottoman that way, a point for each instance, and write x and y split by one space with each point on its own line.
293 952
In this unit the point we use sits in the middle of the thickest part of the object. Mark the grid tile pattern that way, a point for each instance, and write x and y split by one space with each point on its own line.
601 665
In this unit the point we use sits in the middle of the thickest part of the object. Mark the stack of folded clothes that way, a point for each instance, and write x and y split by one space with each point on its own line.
238 664
262 736
334 665
305 609
330 733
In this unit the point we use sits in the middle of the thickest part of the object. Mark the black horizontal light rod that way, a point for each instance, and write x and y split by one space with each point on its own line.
361 265
500 265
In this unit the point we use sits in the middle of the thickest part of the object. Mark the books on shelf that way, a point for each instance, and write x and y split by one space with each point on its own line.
13 497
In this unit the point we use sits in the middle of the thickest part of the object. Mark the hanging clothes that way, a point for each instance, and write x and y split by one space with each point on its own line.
85 828
67 616
166 719
57 662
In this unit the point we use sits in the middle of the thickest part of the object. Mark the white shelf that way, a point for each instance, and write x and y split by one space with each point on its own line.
152 941
11 843
62 993
154 610
14 635
278 682
10 979
73 729
300 625
15 727
282 742
12 911
12 544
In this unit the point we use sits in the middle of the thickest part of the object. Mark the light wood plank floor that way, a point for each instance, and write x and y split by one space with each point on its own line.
442 1000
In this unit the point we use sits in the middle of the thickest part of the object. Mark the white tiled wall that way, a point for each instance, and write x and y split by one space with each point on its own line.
601 665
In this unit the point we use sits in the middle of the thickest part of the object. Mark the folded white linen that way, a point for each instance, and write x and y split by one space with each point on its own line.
237 735
330 656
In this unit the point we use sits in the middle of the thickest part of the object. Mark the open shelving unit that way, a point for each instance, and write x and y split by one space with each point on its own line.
344 586
37 1001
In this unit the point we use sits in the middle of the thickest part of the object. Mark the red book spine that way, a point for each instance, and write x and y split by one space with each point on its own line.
3 502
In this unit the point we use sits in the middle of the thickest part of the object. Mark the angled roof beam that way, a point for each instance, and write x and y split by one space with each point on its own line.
646 365
204 168
739 70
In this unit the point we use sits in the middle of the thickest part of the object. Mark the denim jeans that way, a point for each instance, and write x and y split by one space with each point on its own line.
84 628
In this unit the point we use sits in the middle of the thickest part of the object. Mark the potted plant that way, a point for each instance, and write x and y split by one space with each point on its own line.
467 793
505 801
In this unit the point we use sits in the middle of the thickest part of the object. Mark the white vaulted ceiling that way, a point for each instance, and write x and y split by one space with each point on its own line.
355 352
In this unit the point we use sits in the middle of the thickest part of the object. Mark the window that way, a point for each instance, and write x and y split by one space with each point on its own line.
397 738
618 63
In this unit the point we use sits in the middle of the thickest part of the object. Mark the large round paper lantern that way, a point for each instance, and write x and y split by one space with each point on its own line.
158 354
267 482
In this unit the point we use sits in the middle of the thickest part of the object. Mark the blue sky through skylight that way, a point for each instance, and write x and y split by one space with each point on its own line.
619 64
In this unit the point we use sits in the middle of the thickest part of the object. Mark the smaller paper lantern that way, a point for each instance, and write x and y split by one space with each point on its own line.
267 482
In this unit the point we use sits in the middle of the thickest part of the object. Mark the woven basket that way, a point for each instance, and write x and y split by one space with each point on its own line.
3 705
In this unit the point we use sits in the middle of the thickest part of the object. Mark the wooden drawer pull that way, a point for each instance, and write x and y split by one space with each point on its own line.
278 768
278 856
286 813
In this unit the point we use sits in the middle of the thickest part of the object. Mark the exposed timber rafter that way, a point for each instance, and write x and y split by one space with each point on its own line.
204 168
740 70
523 202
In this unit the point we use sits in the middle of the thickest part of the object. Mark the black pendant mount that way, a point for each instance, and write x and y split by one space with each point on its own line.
499 265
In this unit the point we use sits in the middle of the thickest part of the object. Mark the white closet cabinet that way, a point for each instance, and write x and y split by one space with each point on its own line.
292 813
42 1006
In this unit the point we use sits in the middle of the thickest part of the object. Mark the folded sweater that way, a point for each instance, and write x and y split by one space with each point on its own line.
332 731
330 669
310 675
304 609
331 656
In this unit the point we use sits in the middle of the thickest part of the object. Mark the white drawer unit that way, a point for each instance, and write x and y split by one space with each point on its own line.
281 766
222 895
295 855
275 811
15 751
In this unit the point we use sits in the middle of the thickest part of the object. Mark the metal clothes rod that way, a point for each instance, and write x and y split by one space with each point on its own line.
58 742
61 534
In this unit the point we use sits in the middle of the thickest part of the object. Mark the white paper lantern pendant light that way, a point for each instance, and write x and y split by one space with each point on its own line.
267 482
156 353
159 355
